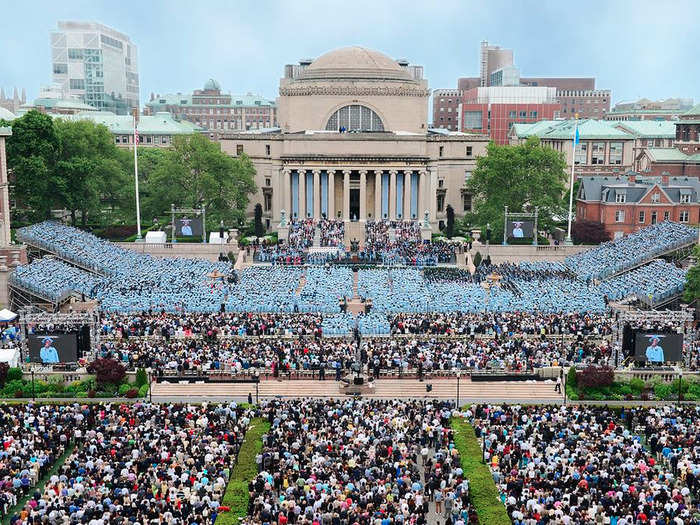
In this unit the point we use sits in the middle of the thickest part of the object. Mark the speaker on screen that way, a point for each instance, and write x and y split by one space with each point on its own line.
53 348
655 347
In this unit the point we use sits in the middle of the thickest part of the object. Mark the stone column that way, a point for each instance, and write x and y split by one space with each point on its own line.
407 195
377 195
363 195
422 190
284 192
392 195
317 194
302 194
346 195
331 194
432 195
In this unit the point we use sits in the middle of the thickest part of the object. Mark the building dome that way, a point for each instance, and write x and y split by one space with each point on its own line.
355 62
6 114
212 85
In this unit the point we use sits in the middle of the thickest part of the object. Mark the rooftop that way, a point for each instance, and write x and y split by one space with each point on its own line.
649 128
354 62
162 123
672 155
5 132
588 129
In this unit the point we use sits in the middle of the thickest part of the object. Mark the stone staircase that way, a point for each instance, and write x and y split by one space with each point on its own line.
354 231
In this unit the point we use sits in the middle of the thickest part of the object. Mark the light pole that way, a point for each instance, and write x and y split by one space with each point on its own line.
33 394
459 373
149 370
257 383
680 385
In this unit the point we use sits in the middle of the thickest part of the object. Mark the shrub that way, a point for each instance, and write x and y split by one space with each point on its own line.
143 391
595 376
477 259
132 393
637 385
571 377
19 394
141 377
81 394
124 388
107 371
14 373
91 393
663 390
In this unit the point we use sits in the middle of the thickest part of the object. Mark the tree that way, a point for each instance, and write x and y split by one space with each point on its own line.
258 224
31 159
450 226
692 280
588 232
107 370
522 177
194 173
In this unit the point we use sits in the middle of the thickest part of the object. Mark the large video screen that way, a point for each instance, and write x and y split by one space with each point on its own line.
185 227
655 347
520 229
53 348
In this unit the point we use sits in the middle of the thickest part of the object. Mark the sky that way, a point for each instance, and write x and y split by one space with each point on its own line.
637 48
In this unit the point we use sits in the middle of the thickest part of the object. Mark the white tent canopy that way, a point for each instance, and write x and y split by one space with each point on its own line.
7 315
10 356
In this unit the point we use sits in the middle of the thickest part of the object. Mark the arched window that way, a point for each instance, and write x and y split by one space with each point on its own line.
354 118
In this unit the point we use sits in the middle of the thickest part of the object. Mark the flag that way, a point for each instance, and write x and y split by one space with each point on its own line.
576 136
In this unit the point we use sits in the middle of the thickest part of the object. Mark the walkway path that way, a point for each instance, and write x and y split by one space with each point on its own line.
443 388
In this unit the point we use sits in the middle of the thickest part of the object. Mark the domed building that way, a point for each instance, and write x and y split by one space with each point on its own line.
353 143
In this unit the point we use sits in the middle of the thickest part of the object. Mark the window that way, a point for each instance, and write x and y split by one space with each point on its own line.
472 119
77 83
685 198
75 54
620 197
442 149
60 69
441 183
354 118
267 151
683 216
533 114
655 197
617 235
467 176
654 217
267 182
667 215
239 149
511 114
616 152
598 153
522 114
581 156
469 151
619 216
441 202
164 139
642 217
267 205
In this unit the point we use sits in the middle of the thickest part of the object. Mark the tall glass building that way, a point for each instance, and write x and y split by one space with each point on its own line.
96 64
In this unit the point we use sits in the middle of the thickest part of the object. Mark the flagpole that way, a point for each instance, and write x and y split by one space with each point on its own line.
136 179
568 240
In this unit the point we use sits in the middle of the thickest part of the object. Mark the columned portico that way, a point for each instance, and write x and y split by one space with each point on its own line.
391 193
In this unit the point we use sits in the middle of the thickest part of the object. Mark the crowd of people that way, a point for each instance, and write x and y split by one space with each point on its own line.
399 243
593 464
138 463
332 232
654 282
354 461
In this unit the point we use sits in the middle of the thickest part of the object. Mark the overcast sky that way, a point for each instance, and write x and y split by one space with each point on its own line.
637 48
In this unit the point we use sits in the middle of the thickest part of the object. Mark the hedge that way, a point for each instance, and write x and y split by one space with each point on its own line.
236 496
482 489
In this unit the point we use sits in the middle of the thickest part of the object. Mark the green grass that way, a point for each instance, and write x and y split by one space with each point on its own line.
482 489
236 496
40 485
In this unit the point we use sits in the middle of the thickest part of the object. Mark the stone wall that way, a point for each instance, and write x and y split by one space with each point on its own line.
193 250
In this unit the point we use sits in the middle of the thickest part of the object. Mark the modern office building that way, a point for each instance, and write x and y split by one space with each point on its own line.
96 64
213 110
354 143
493 110
645 109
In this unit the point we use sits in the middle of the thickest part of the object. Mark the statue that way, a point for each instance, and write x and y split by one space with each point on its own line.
426 219
283 219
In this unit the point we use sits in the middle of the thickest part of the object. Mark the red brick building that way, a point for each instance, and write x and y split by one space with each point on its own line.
625 204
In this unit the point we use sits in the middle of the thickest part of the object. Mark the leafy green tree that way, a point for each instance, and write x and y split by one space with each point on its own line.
31 158
194 172
259 228
522 177
692 280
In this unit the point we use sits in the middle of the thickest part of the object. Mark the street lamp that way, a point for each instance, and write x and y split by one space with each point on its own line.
149 370
459 373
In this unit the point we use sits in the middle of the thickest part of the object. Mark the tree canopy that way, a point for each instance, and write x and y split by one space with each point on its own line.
522 177
692 280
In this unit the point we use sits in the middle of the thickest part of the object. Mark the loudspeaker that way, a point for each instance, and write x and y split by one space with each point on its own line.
627 340
358 381
84 339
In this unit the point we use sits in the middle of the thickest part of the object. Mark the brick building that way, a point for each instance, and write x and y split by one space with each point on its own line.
688 131
211 109
493 110
644 109
627 203
446 108
648 134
